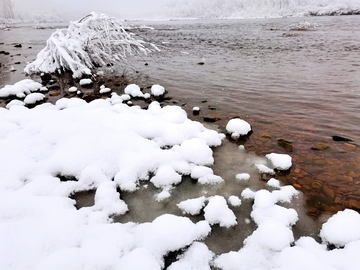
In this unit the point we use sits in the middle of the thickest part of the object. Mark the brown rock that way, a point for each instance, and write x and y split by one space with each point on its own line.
316 184
285 144
330 193
54 93
320 147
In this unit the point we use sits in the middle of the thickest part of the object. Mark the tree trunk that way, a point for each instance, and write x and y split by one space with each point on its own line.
6 10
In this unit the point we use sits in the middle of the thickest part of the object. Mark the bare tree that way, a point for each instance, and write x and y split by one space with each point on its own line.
6 10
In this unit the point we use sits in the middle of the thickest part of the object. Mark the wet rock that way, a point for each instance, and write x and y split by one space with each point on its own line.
211 119
341 139
266 136
316 184
17 63
18 45
330 193
212 108
201 63
54 93
45 77
285 144
53 87
320 147
203 101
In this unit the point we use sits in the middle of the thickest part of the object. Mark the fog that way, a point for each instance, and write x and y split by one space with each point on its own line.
70 9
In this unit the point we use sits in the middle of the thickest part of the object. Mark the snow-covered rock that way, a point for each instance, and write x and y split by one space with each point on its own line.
33 98
237 127
157 90
280 162
20 89
133 90
218 212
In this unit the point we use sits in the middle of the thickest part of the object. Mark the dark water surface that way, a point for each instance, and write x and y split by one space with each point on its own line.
296 89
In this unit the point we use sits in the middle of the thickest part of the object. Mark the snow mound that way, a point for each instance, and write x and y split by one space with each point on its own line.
72 89
84 82
198 257
192 206
280 162
234 201
33 98
237 127
133 90
14 102
242 176
20 89
218 212
157 90
342 228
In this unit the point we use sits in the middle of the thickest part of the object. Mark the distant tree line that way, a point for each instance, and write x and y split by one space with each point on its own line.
6 9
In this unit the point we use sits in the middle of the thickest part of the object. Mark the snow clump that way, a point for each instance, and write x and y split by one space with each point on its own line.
20 89
342 228
33 98
157 90
237 127
192 206
72 89
280 162
133 90
218 212
234 201
84 82
242 176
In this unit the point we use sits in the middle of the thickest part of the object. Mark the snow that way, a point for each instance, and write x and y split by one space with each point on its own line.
33 98
196 109
93 41
235 9
157 90
14 102
342 228
280 161
234 201
218 212
242 176
84 82
20 89
133 90
108 147
192 206
72 89
237 127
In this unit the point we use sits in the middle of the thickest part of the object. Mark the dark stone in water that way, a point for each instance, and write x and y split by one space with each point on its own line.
17 63
201 63
212 108
285 144
46 77
203 101
341 139
211 119
18 45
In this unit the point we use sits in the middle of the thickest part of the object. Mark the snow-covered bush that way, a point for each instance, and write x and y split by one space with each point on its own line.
95 40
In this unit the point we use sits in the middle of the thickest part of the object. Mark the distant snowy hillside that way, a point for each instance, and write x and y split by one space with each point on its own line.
258 8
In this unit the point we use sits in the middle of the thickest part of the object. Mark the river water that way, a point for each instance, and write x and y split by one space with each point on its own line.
297 88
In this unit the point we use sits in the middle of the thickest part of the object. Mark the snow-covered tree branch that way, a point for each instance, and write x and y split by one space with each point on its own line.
94 41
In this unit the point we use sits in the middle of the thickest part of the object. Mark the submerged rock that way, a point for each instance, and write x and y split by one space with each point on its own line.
341 139
285 144
320 147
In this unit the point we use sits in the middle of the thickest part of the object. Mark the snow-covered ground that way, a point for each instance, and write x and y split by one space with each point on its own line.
110 147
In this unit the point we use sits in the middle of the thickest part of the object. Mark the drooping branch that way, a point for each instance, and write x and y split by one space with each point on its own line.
95 40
